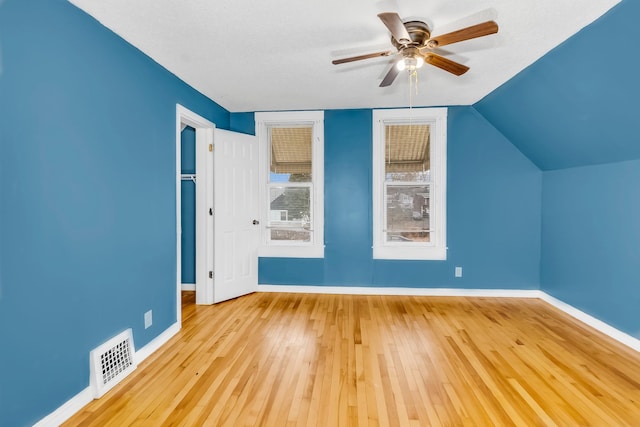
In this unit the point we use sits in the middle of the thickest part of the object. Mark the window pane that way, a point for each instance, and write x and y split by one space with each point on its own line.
289 177
290 235
289 213
291 157
407 213
407 151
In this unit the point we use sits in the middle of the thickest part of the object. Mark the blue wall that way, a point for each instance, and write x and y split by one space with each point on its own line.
577 105
591 241
572 110
87 187
494 206
243 122
188 208
87 192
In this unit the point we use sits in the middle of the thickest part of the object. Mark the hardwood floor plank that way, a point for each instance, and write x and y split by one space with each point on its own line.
341 360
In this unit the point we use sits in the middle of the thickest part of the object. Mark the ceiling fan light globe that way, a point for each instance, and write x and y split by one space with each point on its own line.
410 63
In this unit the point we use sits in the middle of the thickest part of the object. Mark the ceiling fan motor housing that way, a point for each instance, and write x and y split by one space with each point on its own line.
419 33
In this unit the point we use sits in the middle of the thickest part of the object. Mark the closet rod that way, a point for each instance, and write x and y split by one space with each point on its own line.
188 177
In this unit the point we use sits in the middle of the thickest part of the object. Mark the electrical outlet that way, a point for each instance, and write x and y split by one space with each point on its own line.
458 271
148 319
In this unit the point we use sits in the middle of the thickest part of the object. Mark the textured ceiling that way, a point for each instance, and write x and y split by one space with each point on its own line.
276 55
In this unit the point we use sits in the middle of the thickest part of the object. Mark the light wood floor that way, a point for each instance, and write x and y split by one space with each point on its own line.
331 360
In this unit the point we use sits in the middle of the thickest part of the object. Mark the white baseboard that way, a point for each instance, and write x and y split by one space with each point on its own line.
357 290
188 286
157 342
77 402
597 324
67 410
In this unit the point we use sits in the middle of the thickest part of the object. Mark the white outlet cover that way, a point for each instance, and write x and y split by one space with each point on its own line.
458 271
148 319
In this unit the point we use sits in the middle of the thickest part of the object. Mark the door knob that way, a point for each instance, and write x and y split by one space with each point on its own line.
256 222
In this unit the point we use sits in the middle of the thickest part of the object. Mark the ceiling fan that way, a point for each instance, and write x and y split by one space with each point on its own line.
415 46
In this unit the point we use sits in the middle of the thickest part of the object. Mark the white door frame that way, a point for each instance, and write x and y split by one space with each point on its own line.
204 200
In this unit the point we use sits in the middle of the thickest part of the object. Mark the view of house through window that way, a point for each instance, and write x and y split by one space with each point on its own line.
292 175
407 182
290 183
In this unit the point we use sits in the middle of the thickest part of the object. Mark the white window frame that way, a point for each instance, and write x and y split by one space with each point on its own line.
436 249
314 248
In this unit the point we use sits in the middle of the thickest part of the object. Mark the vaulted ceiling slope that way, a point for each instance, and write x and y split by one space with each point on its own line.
577 105
249 55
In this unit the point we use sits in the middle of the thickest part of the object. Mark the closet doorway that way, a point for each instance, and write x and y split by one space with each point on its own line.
223 180
194 177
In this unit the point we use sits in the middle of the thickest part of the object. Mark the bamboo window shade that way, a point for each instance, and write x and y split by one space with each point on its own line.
407 148
291 149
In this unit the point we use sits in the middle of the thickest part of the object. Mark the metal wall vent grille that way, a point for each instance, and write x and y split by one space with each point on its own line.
111 362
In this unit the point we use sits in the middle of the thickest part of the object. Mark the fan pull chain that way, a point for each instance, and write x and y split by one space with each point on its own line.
413 86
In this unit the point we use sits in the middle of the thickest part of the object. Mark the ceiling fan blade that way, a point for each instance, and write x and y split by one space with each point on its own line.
360 57
472 32
395 25
390 77
445 64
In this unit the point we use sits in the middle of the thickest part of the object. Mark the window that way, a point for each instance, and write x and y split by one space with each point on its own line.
409 183
292 179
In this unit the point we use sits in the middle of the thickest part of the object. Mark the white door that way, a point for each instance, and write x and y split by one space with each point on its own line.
236 228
